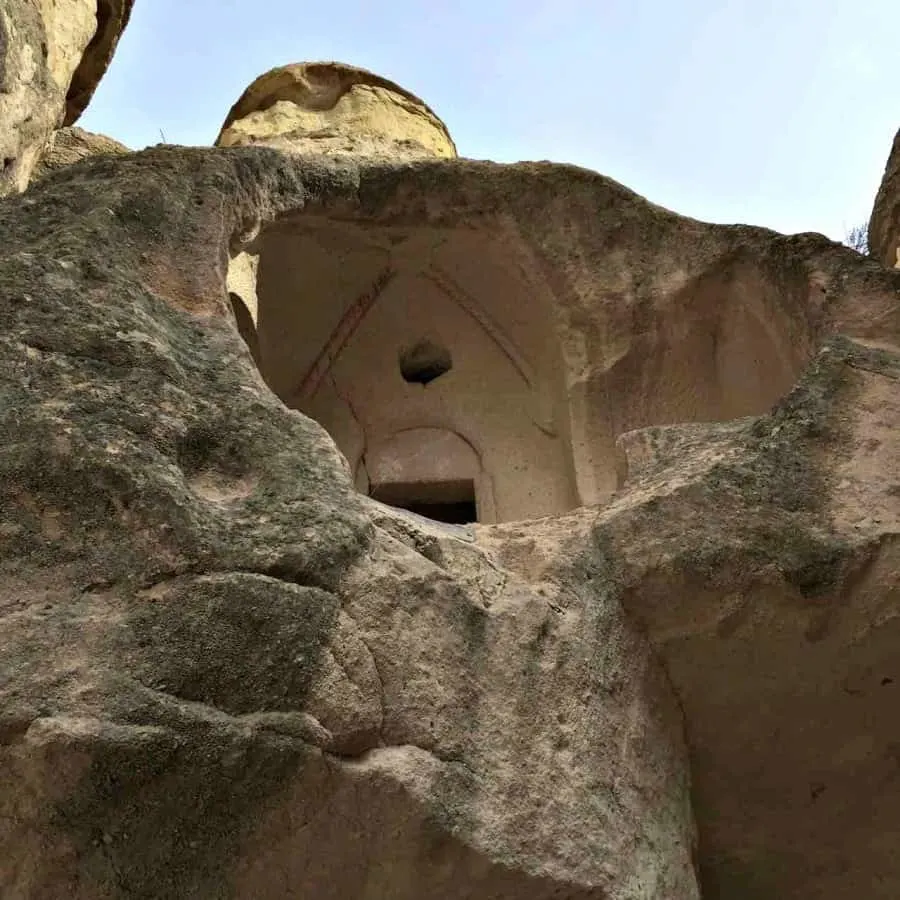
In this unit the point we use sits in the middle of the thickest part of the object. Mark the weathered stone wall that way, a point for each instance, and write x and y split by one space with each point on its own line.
52 56
228 673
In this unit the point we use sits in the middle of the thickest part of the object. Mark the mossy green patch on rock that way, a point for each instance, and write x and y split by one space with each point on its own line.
239 642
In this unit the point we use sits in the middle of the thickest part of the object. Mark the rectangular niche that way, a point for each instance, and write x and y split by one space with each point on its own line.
444 501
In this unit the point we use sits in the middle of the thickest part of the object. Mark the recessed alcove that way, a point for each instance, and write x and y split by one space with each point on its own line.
424 358
438 357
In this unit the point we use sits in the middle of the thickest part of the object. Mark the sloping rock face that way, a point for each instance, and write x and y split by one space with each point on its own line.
761 560
52 56
335 109
69 145
884 226
227 673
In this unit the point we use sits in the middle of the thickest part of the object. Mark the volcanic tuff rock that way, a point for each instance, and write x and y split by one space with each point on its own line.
884 226
52 56
335 109
226 673
69 145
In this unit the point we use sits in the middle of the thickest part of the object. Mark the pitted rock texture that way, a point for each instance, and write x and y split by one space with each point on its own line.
884 226
227 673
69 145
53 54
335 109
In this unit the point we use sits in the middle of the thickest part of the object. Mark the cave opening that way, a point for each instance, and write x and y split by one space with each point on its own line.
437 354
444 501
423 352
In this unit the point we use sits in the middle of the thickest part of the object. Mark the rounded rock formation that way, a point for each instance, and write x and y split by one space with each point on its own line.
52 56
884 226
335 109
112 16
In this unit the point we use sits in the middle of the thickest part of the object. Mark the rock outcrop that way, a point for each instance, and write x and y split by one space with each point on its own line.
884 226
69 145
225 672
52 56
335 109
111 18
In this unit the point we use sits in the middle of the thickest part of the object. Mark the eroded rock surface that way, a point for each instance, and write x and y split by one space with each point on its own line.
53 54
69 145
761 559
227 673
335 109
884 226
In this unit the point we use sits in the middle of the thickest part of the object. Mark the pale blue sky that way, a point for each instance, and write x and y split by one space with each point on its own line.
771 112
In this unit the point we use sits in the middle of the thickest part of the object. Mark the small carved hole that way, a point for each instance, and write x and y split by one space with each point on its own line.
443 501
424 361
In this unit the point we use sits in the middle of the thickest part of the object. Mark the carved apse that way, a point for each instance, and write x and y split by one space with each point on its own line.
455 362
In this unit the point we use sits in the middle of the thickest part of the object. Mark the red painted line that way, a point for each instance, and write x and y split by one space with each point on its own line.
342 333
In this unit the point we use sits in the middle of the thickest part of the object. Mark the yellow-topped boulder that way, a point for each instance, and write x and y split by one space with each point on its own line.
335 109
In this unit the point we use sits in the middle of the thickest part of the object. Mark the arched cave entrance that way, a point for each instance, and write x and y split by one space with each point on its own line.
424 355
439 363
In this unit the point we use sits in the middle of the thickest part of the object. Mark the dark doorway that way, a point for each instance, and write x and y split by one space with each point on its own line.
424 361
452 513
444 501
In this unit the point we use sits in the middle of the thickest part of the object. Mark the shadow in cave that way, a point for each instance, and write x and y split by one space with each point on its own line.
434 354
